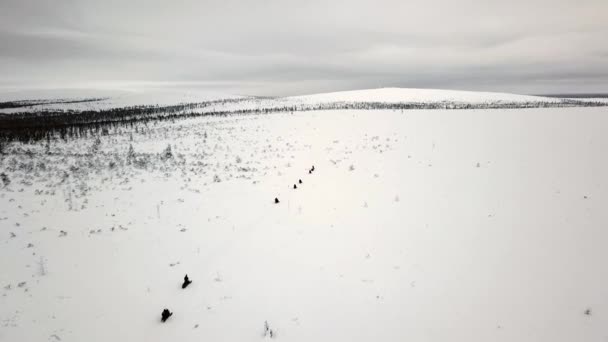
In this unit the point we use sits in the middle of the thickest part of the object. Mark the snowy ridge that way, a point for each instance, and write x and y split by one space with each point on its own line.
401 95
590 99
395 98
170 97
110 99
385 98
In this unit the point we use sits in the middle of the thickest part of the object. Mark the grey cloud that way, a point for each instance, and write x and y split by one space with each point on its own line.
290 47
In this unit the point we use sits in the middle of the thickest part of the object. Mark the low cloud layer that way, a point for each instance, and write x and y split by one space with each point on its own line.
281 47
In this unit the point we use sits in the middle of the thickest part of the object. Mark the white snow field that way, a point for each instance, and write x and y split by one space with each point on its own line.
419 225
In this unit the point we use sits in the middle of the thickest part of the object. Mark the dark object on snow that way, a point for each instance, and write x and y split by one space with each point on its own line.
267 330
313 168
276 200
186 282
165 315
588 312
309 171
295 186
300 181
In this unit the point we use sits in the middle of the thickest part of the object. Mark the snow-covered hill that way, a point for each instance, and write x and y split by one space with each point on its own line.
400 95
395 97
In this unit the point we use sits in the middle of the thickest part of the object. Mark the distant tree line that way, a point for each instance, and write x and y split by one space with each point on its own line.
64 124
31 103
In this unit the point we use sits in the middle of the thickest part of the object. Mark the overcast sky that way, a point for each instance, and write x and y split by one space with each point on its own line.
281 47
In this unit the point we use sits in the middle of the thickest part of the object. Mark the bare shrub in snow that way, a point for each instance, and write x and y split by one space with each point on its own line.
141 161
5 180
130 155
96 145
41 166
27 166
167 153
216 178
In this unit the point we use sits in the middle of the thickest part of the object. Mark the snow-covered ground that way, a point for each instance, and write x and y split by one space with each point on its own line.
459 225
